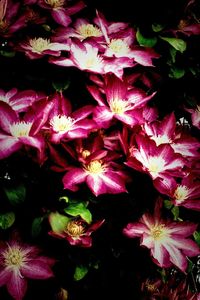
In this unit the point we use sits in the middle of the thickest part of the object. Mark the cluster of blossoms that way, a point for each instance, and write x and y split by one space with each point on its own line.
98 146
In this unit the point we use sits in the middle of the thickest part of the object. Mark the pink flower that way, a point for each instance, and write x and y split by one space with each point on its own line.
60 10
19 262
75 230
19 100
195 115
64 124
10 21
117 99
158 161
16 132
167 240
185 193
86 56
38 47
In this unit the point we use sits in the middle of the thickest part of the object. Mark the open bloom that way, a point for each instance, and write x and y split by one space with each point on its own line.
118 100
19 100
185 193
19 262
16 132
75 230
158 161
167 240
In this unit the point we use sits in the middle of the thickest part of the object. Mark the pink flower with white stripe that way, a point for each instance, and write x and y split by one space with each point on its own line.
157 161
10 19
168 132
87 56
118 100
16 132
195 115
35 48
185 193
64 124
167 240
60 9
120 40
19 100
20 262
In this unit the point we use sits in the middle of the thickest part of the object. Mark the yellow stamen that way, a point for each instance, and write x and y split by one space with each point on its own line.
20 129
74 228
119 106
119 46
62 123
95 167
55 3
39 44
158 232
87 30
181 193
14 257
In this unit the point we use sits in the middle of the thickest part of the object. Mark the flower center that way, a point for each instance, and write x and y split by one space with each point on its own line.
118 46
156 164
74 228
95 167
118 106
20 129
85 153
158 232
55 3
160 139
151 288
92 61
87 30
39 44
181 193
13 257
61 123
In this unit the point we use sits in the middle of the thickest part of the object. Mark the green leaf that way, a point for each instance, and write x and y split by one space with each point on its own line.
157 27
7 53
168 204
176 73
15 195
36 226
175 212
196 235
173 52
58 222
190 266
178 44
7 220
80 272
60 86
64 199
79 209
144 41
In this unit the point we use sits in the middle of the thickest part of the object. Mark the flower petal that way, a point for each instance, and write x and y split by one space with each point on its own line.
4 276
37 269
17 286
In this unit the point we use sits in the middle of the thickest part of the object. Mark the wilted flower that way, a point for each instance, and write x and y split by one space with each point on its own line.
19 262
75 230
167 240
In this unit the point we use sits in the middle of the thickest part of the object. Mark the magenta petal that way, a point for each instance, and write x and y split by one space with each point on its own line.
96 185
17 286
176 257
4 277
8 146
73 177
161 255
35 142
114 183
7 116
134 229
61 17
36 269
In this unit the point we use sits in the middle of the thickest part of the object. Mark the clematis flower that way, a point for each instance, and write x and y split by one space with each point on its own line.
35 48
18 263
16 132
185 193
75 230
157 161
86 56
168 241
19 100
117 99
61 10
64 124
10 20
168 132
